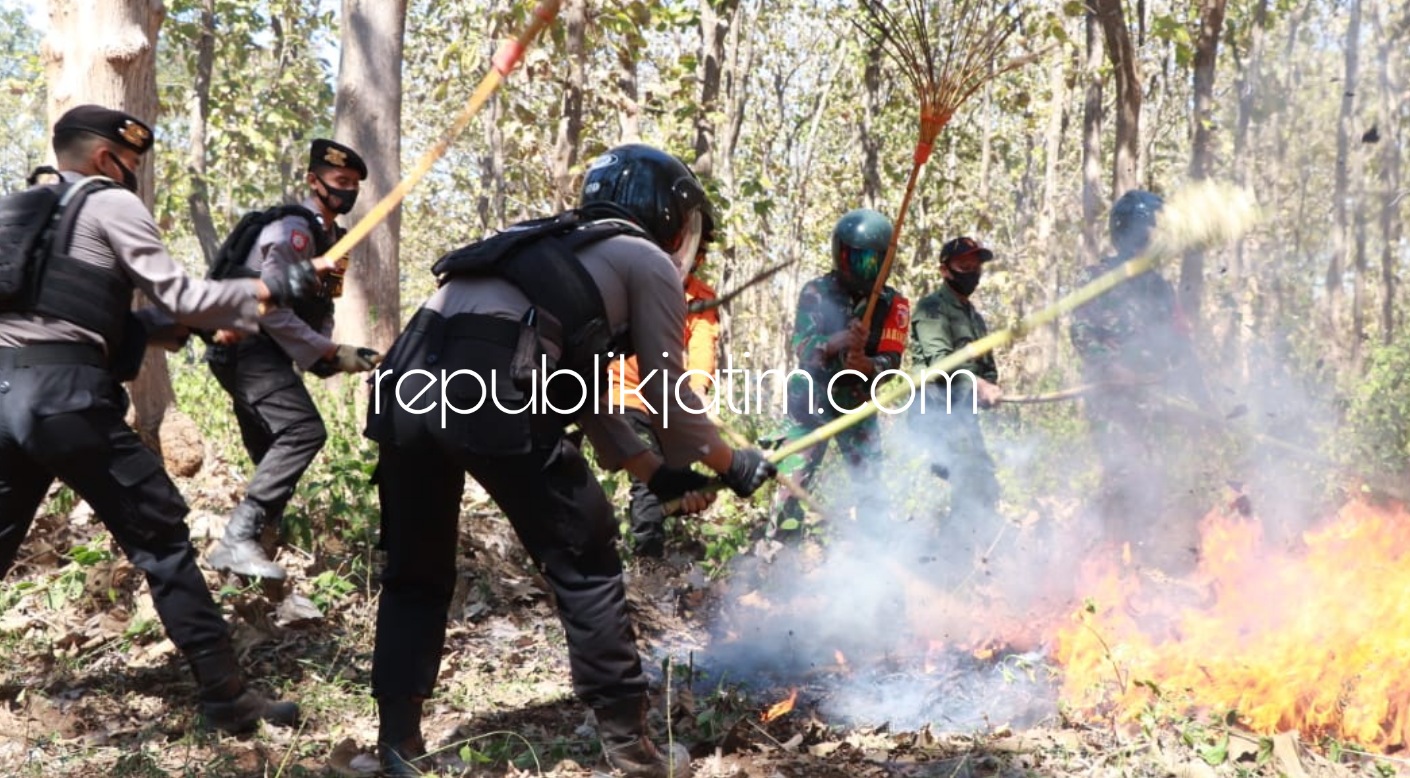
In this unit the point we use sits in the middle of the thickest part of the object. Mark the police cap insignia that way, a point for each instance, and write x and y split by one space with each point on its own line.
328 153
121 128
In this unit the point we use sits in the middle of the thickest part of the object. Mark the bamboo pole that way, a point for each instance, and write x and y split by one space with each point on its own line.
504 62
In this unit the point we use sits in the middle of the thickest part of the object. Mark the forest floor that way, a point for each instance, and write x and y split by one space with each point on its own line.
90 686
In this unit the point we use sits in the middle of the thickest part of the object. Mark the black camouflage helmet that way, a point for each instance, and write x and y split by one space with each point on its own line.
859 243
1132 220
656 190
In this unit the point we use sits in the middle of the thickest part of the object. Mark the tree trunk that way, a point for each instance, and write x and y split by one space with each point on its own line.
104 52
368 118
1336 268
1246 281
1391 195
199 199
1052 150
1126 159
628 82
570 118
871 142
1092 142
1201 153
986 148
715 19
740 56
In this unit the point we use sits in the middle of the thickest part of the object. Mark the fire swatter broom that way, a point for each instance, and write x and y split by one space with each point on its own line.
946 50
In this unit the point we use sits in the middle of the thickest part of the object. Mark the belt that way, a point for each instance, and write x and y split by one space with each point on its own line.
53 354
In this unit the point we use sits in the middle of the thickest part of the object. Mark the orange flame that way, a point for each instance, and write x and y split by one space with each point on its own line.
841 659
780 708
1313 641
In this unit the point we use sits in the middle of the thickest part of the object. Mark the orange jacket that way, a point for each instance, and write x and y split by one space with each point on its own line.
702 332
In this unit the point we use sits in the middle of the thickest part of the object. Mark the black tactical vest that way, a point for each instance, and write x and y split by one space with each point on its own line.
38 275
540 258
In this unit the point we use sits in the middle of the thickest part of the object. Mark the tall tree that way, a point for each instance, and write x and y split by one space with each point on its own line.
1342 239
871 140
1047 204
1393 100
570 117
1125 165
716 16
199 112
1249 80
368 118
1211 22
105 52
1092 139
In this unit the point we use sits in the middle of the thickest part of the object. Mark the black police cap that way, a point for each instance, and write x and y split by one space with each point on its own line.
329 153
122 128
961 246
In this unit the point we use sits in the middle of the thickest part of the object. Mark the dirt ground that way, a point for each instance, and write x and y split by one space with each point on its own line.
89 686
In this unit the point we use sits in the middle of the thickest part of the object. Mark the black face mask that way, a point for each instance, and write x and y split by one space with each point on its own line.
129 177
964 283
346 198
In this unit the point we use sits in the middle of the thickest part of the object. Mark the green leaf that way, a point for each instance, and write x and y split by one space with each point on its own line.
1216 753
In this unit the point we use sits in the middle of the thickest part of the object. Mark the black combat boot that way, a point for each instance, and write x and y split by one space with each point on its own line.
399 743
239 550
226 703
621 726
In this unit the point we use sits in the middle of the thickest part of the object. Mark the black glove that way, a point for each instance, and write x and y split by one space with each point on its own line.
346 359
296 281
748 470
669 483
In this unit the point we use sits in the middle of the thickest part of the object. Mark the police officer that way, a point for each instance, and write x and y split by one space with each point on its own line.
838 357
944 322
606 281
1131 340
61 406
279 423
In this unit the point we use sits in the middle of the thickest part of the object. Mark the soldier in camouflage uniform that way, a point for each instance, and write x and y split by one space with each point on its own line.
828 340
945 322
1134 342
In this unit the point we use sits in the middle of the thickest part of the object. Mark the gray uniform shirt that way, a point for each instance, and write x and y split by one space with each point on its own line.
116 234
280 244
642 293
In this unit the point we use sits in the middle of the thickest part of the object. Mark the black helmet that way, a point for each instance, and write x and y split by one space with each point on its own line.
859 243
1132 220
656 190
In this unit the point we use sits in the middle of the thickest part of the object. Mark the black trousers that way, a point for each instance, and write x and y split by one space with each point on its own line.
648 517
65 420
564 520
279 423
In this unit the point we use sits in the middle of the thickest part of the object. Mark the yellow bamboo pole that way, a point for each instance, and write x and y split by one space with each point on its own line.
504 62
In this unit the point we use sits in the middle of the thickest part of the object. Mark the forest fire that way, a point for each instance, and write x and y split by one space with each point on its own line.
780 708
1312 640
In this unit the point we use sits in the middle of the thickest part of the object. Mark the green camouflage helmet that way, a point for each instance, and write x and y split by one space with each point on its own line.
859 243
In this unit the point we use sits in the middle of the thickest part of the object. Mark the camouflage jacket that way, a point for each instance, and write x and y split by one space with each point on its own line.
1137 326
826 308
